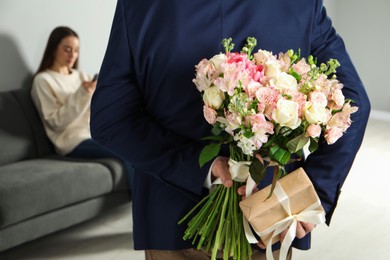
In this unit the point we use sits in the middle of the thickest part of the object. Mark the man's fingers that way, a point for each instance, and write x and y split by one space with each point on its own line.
261 244
283 234
308 227
241 190
221 171
301 232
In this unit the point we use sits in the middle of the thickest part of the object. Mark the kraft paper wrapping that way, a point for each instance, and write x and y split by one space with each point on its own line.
262 213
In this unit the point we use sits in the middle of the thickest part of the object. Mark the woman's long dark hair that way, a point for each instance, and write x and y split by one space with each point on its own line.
54 40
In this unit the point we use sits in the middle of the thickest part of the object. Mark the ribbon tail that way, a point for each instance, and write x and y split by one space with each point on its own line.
268 251
287 241
250 185
248 232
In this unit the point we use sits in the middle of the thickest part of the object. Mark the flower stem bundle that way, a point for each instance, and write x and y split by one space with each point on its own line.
217 226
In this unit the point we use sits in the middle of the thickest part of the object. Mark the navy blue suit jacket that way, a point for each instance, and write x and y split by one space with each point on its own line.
147 110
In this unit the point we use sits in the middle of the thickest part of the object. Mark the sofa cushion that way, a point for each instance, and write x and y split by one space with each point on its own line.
116 167
33 187
16 136
42 144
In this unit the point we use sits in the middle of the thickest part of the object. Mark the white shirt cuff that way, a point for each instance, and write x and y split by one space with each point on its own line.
207 183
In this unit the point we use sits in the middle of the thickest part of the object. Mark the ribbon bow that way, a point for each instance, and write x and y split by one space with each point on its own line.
311 214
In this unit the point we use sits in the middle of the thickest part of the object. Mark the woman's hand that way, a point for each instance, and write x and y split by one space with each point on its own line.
89 86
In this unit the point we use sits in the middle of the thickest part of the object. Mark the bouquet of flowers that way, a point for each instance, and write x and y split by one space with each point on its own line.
267 108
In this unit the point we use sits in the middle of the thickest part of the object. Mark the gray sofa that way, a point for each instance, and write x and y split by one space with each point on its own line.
41 192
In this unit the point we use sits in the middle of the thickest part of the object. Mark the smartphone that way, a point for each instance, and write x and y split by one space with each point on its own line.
95 77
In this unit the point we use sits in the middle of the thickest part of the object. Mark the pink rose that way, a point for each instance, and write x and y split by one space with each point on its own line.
317 97
209 114
313 130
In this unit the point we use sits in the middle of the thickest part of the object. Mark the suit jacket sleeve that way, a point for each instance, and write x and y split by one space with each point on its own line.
120 122
329 165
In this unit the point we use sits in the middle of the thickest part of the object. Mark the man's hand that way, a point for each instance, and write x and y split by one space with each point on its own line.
221 169
303 229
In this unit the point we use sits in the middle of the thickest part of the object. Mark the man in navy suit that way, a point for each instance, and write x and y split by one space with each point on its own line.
147 110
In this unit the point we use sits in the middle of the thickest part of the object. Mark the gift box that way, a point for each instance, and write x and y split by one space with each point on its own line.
293 195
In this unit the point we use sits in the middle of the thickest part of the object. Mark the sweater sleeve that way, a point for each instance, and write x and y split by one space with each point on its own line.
55 113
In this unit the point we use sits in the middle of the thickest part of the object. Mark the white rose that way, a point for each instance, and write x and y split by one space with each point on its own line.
272 69
217 60
286 113
315 113
213 97
285 81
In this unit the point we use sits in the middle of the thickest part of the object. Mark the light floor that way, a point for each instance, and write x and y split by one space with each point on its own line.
360 228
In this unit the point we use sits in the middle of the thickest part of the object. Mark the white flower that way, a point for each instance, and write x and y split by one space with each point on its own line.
213 97
286 113
272 69
217 60
247 145
315 113
285 81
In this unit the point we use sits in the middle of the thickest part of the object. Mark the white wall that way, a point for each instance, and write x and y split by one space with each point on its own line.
25 26
364 26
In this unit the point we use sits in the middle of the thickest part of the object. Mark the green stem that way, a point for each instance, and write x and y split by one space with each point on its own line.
220 228
194 208
208 224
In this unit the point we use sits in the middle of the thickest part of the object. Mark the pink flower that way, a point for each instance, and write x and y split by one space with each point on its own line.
342 119
285 61
333 134
317 97
252 88
232 74
338 98
257 72
301 67
205 74
261 128
267 97
313 130
339 123
209 114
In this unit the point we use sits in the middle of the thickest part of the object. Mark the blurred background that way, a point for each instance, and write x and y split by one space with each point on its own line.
359 229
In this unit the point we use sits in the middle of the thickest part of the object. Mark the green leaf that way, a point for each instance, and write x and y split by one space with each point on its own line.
297 143
209 152
214 138
313 145
280 155
295 75
216 130
257 170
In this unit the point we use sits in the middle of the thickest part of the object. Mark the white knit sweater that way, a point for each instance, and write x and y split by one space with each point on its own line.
64 107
